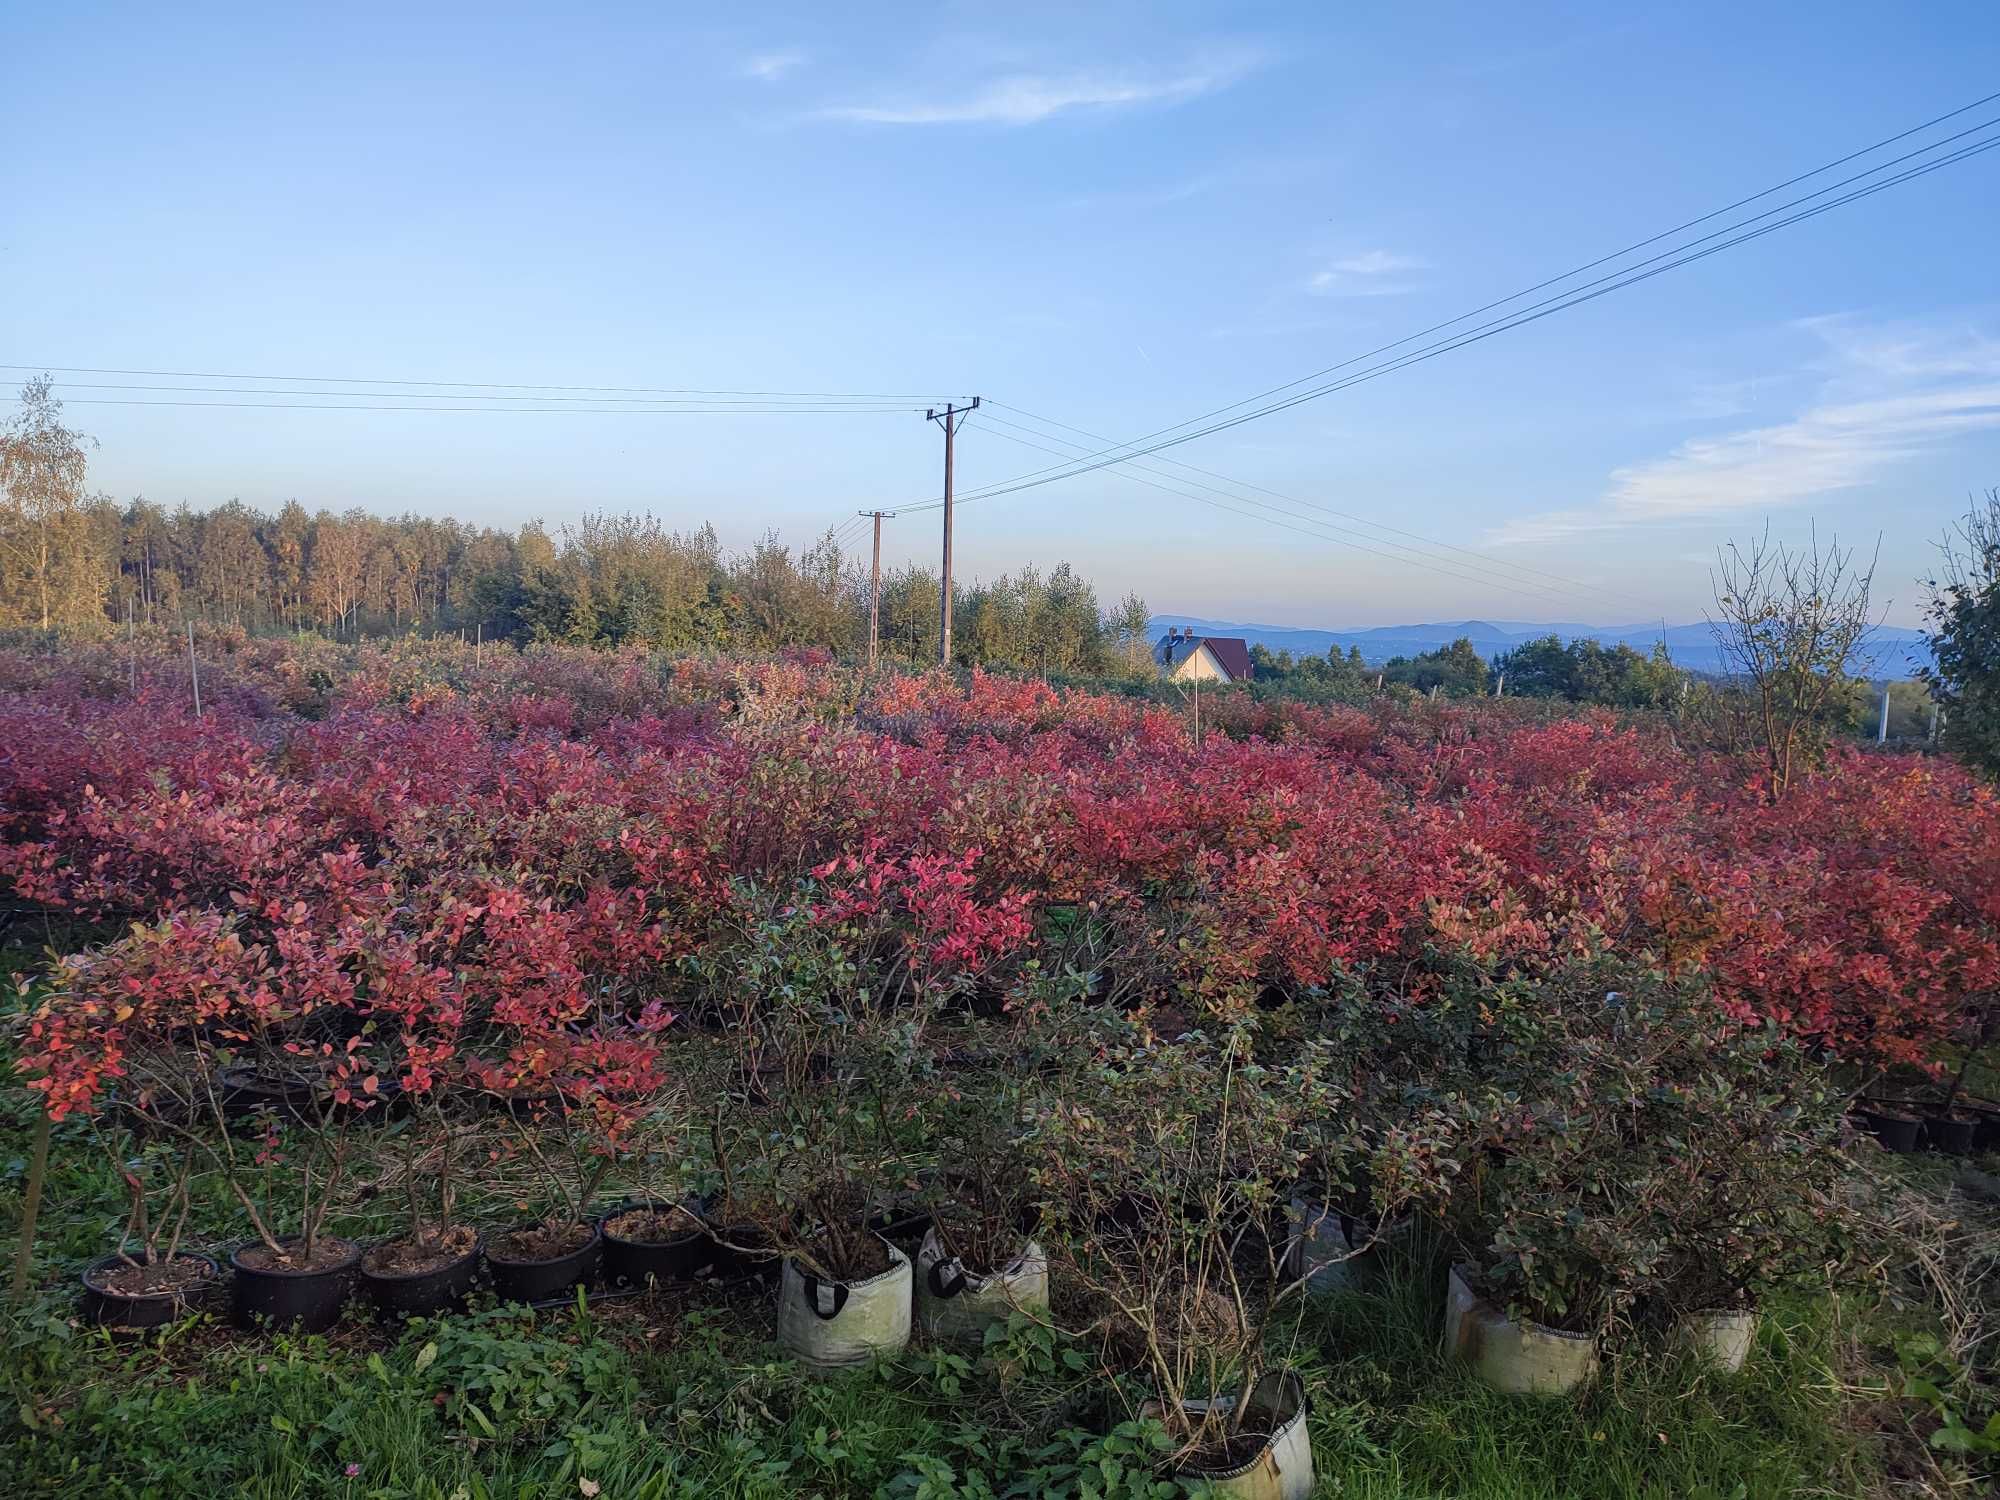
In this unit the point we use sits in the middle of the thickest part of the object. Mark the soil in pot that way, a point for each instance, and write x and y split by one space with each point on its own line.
871 1256
1268 1458
545 1260
290 1290
120 1294
656 1241
418 1275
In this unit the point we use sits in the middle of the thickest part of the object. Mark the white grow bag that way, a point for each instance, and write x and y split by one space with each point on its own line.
840 1325
958 1306
1522 1359
1722 1336
1283 1468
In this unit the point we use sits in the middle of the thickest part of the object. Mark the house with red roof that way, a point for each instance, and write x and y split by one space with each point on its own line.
1183 656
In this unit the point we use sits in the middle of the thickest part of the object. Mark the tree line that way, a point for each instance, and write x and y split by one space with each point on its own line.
80 563
1578 671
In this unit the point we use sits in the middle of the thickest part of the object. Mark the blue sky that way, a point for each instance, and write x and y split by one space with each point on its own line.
1115 216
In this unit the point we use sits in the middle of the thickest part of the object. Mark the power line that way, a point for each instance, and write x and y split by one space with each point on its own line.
1309 529
504 411
717 403
1476 560
1590 291
640 390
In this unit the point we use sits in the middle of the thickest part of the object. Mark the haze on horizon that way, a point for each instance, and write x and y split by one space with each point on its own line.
1114 220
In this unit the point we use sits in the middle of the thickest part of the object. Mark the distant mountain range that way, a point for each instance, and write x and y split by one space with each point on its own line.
1898 652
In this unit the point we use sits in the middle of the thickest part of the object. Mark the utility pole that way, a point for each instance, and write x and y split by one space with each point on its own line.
1882 734
950 419
875 569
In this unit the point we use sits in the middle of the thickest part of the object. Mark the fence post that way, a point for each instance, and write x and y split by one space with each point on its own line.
31 1204
194 671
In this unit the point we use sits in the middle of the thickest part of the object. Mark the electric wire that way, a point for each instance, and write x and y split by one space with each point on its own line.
1310 529
721 403
1591 291
640 390
1475 561
509 411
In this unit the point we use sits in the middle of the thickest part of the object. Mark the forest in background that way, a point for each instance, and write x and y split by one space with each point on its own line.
79 563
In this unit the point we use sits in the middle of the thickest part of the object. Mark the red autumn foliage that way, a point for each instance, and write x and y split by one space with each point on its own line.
494 857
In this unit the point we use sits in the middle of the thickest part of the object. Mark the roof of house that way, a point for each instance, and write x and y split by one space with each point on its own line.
1230 653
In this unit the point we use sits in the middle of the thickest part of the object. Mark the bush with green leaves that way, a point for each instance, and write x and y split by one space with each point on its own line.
1641 1151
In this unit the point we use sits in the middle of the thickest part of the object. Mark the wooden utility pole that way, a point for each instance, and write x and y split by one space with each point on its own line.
875 574
951 419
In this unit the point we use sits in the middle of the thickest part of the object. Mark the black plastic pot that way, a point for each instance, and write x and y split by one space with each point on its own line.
1951 1137
527 1106
1895 1130
740 1253
103 1308
304 1301
542 1280
904 1228
249 1096
1987 1135
985 1000
387 1103
635 1262
423 1294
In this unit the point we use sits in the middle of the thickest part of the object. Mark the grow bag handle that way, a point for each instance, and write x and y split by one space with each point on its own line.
825 1298
947 1278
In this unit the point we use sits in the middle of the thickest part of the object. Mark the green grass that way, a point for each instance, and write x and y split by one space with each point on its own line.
655 1401
668 1399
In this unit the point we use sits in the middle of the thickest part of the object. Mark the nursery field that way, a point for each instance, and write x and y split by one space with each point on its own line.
453 1072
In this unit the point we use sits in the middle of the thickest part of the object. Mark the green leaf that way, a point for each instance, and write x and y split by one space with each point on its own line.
283 1425
426 1356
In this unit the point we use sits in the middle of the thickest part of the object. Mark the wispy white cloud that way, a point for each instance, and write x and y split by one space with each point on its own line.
1889 394
771 66
1370 273
1029 98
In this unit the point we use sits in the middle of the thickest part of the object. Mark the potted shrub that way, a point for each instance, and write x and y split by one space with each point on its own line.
432 1263
281 1165
597 1086
1751 1187
833 1160
979 1262
1162 1164
1555 1223
1370 1151
151 1279
169 1008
